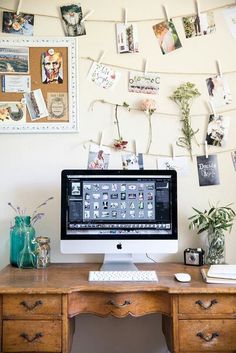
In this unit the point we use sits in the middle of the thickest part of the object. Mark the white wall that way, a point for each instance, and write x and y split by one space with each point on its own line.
30 164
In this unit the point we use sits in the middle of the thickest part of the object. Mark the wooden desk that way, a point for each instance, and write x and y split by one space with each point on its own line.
37 307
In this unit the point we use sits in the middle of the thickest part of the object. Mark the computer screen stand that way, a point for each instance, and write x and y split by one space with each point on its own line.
118 262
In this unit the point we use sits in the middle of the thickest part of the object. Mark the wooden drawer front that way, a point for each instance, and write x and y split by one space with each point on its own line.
31 336
207 304
119 304
207 335
31 304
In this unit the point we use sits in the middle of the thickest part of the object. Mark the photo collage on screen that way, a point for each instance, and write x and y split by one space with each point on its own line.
116 200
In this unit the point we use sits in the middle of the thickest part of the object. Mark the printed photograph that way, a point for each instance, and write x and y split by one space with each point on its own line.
36 104
127 38
98 157
103 76
71 18
180 164
217 130
218 91
16 83
11 112
230 18
208 173
21 24
233 155
167 36
14 60
57 106
52 67
139 82
199 25
132 161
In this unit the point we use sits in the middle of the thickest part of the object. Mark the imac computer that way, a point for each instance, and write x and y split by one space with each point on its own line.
118 213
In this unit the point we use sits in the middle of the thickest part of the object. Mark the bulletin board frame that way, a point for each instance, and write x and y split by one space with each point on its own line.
68 88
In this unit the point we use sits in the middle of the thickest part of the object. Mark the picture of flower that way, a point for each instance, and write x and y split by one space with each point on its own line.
149 106
167 36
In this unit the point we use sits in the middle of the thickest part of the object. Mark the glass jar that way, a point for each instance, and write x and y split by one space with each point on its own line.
17 237
26 257
215 250
42 251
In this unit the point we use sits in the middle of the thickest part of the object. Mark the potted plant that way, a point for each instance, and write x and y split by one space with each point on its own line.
216 221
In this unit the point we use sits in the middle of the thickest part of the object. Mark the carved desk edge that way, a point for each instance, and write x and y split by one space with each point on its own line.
65 278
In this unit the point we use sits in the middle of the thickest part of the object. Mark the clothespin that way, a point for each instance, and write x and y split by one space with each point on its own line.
212 108
198 13
166 13
125 16
101 56
135 147
100 139
206 149
173 151
18 7
219 68
145 67
86 16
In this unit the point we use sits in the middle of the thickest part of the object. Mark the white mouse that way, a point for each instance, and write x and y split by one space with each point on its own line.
182 277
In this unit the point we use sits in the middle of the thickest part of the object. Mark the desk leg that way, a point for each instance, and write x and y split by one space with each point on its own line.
68 327
170 327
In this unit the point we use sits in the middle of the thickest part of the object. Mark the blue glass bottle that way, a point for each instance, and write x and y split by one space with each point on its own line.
17 237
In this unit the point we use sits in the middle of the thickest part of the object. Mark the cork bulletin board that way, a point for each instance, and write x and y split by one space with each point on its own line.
38 85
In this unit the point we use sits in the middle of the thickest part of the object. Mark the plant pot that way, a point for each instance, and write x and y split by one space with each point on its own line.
215 248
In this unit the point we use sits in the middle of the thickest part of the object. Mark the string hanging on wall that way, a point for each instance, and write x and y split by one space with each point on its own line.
133 20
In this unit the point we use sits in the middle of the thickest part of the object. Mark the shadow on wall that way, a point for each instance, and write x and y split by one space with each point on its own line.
127 335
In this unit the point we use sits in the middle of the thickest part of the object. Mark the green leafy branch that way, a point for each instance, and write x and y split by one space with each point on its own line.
183 96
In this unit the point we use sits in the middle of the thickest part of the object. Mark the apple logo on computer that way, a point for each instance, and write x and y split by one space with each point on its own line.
119 246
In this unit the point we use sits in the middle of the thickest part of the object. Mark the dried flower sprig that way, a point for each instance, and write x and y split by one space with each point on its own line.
36 216
120 143
183 96
149 106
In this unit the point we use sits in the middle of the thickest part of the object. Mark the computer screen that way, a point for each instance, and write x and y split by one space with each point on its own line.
118 211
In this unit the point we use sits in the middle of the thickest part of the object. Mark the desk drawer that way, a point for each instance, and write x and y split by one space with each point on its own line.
31 336
206 304
25 305
119 304
207 335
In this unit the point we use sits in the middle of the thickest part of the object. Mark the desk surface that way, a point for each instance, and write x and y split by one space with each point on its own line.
69 278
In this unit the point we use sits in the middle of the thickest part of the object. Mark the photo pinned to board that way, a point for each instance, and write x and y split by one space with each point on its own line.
103 76
230 18
52 66
218 90
167 36
16 83
98 157
208 173
72 16
57 105
20 24
12 112
141 82
127 38
132 161
199 25
14 60
36 104
180 164
217 130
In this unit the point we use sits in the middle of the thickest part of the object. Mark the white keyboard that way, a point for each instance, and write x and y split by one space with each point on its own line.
123 276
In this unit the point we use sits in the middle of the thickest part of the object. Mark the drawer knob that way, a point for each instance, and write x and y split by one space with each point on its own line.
28 339
206 305
208 338
31 306
126 303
